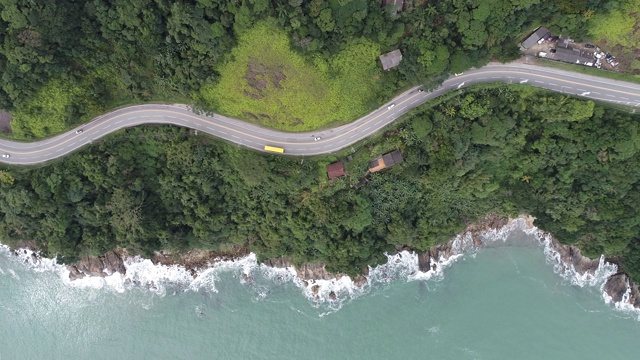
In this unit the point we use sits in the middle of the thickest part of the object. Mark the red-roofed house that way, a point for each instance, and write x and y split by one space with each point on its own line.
335 170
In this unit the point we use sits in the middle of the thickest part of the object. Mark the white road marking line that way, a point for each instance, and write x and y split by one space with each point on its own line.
552 84
352 136
415 101
538 81
222 132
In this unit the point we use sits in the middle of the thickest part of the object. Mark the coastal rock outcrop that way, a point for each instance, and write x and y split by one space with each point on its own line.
619 286
571 256
102 266
315 271
429 260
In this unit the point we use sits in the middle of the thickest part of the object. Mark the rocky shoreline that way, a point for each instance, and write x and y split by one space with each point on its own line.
618 286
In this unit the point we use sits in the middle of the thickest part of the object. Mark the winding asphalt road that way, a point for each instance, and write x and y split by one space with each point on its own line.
331 140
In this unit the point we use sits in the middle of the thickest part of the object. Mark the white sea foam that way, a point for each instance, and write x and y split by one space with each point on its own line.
333 293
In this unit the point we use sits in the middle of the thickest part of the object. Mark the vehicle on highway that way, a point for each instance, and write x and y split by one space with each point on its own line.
6 156
457 74
391 106
420 90
317 138
273 149
79 131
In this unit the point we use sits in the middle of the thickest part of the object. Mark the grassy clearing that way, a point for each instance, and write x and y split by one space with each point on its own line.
267 83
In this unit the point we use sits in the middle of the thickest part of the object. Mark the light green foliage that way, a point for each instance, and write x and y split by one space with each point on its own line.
266 82
48 113
620 26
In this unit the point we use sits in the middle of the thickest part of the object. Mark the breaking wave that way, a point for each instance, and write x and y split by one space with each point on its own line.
329 294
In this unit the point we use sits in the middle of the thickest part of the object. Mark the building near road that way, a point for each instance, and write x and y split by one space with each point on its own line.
335 170
573 56
540 33
386 161
390 59
567 51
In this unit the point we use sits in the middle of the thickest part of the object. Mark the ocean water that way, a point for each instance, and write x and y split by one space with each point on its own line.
505 301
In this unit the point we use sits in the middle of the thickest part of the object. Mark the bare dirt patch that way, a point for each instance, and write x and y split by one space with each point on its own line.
5 122
259 76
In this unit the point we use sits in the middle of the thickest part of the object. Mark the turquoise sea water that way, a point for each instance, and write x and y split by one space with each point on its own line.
503 302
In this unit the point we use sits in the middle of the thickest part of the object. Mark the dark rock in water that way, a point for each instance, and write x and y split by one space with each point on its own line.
101 266
424 261
618 284
277 263
333 296
571 255
359 280
315 289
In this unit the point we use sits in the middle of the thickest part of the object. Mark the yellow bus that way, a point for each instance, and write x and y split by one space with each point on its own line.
273 149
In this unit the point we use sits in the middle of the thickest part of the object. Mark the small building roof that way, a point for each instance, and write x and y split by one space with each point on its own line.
386 161
391 59
335 170
533 38
573 55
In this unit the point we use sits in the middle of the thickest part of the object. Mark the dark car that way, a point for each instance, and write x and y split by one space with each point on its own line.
589 46
553 39
553 51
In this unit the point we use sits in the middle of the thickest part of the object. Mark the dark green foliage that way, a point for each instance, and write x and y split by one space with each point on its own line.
491 150
570 163
112 52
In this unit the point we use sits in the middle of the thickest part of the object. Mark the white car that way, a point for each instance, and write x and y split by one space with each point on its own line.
458 74
79 131
317 138
6 156
390 106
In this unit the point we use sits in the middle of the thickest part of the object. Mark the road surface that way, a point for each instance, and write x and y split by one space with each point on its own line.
331 140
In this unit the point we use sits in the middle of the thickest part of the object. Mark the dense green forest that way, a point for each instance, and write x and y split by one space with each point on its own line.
66 61
510 150
507 149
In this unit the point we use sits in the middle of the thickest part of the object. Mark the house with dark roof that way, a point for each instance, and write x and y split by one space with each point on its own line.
573 56
335 170
391 59
540 33
385 161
